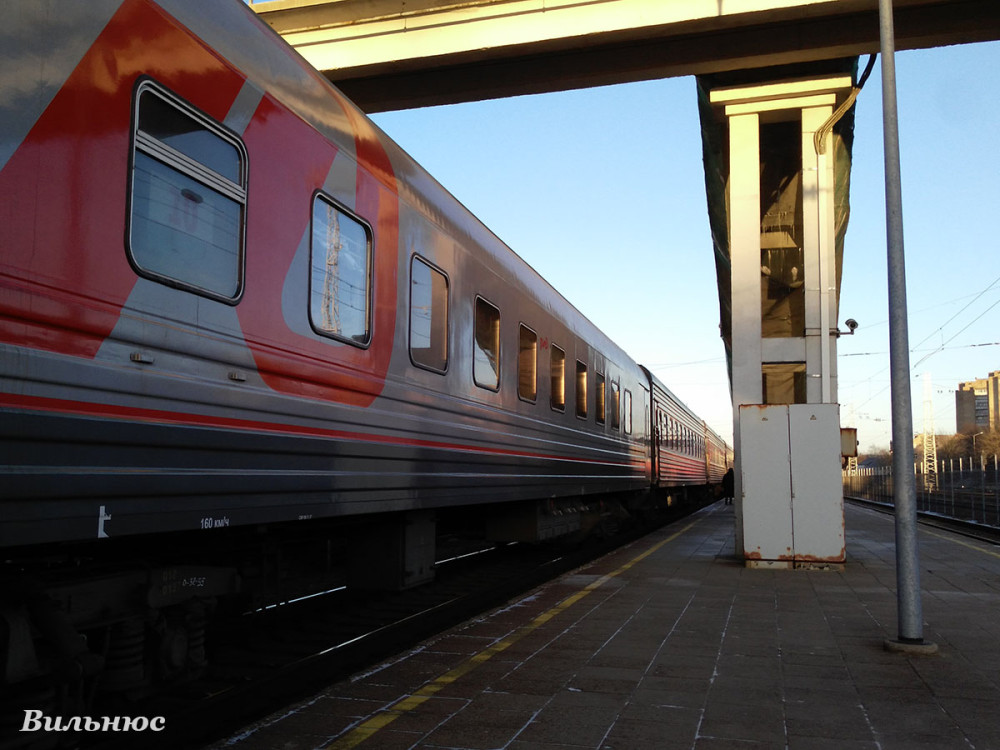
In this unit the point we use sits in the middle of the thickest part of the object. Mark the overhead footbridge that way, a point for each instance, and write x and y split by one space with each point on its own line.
399 54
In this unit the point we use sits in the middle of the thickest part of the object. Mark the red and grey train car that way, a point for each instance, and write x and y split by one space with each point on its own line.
233 310
687 452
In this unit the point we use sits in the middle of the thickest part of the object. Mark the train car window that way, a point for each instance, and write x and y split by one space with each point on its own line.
428 316
340 274
486 357
627 408
557 378
187 197
527 364
616 407
600 408
581 389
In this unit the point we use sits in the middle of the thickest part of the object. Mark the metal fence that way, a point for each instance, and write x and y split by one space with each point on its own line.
965 489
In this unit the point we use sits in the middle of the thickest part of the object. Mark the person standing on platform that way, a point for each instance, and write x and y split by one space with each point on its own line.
728 486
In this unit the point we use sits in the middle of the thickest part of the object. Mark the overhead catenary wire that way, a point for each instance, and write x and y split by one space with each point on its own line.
966 307
936 331
961 331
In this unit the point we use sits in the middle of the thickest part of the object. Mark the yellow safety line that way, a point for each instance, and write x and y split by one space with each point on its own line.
368 728
964 544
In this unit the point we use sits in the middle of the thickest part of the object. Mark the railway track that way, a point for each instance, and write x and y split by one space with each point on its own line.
972 529
266 660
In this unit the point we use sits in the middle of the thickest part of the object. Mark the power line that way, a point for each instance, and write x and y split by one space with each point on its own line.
934 351
940 328
967 306
928 356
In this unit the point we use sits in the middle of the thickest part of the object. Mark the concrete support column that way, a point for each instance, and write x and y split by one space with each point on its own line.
744 244
744 249
789 506
821 270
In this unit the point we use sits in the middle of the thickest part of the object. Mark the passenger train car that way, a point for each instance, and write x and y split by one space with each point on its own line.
236 317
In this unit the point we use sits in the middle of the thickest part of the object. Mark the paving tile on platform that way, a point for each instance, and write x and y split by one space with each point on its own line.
666 733
536 678
810 656
955 677
574 700
795 676
460 644
615 680
765 669
482 725
340 706
677 663
921 719
586 727
979 720
898 675
751 692
622 658
808 742
424 717
817 717
911 741
725 743
739 721
672 691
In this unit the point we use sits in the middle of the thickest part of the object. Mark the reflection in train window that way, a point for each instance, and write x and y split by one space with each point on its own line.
616 407
340 277
527 364
187 197
486 357
557 378
627 408
581 389
600 409
428 316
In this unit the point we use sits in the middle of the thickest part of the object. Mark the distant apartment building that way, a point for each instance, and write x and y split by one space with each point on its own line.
977 405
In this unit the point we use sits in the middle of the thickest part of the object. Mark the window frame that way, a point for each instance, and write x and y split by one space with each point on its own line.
189 167
325 197
521 329
499 344
581 398
561 407
616 406
447 307
600 398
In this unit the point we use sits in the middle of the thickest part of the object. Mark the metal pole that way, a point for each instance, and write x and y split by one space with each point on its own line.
910 614
982 477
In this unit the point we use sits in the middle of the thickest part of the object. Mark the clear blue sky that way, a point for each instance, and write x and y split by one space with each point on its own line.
602 191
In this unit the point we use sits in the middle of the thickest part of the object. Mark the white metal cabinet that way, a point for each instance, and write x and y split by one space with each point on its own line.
792 501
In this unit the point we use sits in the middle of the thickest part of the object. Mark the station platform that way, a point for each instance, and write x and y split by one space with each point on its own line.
672 642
